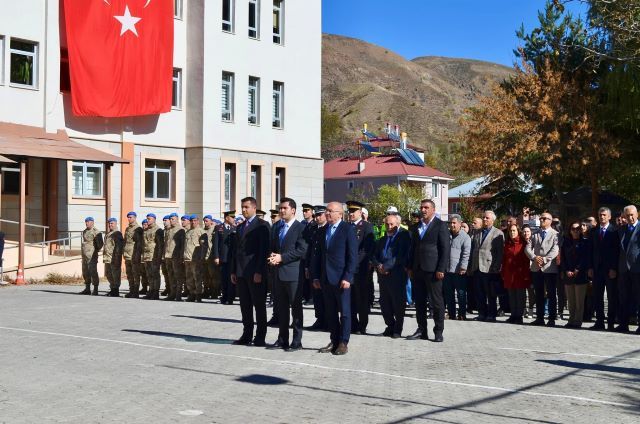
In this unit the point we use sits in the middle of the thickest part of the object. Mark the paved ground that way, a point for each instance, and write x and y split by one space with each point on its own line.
66 358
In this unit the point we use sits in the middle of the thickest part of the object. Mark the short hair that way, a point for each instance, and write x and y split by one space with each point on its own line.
492 213
251 200
397 217
629 208
604 209
290 201
431 202
455 216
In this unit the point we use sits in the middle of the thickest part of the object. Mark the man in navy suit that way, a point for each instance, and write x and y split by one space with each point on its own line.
629 269
333 269
603 269
248 266
428 260
288 248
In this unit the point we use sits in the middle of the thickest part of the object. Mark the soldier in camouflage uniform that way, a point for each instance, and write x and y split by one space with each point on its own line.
144 279
91 245
152 255
173 251
194 251
165 271
112 257
133 245
210 273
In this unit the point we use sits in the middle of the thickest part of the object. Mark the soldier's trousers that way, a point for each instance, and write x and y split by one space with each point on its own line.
194 277
177 276
112 271
133 275
144 278
228 288
167 270
90 273
152 271
211 276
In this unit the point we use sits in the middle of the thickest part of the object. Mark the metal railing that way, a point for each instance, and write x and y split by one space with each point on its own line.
63 244
44 227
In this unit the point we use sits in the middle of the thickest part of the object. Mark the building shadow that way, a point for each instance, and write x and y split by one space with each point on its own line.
216 319
58 291
185 337
592 367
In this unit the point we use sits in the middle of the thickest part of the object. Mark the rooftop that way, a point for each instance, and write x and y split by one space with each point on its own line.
378 166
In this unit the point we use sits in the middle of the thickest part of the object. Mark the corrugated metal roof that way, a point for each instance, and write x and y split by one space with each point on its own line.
34 142
377 166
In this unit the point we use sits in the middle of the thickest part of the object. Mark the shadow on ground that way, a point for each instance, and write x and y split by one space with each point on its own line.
185 337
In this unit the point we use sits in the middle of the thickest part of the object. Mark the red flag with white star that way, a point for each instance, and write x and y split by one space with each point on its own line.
120 56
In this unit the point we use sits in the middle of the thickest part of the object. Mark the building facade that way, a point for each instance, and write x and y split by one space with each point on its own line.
245 119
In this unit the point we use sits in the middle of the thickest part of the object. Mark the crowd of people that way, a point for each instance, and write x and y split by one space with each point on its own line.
445 269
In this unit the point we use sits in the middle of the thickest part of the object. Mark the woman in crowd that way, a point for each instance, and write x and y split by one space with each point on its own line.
516 274
575 263
528 313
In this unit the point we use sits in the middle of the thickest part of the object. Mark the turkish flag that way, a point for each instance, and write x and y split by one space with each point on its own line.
120 56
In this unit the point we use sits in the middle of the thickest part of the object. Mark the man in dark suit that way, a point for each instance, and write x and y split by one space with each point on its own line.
629 269
603 269
317 238
288 248
390 262
222 242
309 228
360 299
333 268
248 268
428 260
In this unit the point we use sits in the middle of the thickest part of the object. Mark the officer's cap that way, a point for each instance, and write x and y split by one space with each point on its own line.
260 212
319 209
274 212
151 215
354 205
306 207
229 213
132 213
111 220
415 214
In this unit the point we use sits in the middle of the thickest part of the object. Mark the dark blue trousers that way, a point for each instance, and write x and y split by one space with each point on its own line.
337 305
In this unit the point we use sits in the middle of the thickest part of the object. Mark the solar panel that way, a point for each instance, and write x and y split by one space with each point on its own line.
369 134
394 137
415 156
410 157
404 156
368 147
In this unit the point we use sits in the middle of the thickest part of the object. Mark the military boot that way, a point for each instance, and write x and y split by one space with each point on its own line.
190 298
170 297
144 291
148 295
95 291
165 292
178 297
156 295
87 290
199 298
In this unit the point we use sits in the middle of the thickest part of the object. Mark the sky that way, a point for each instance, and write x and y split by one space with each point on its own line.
472 29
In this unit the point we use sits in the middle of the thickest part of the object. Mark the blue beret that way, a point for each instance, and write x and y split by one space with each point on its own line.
89 218
132 213
166 217
144 221
217 221
185 217
173 214
194 216
151 215
111 220
209 217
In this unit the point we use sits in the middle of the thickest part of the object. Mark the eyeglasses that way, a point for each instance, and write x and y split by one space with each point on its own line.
544 218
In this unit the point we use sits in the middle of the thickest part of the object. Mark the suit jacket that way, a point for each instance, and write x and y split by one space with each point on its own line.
548 249
250 249
431 253
337 262
605 253
292 250
366 245
308 232
630 257
396 257
222 242
487 254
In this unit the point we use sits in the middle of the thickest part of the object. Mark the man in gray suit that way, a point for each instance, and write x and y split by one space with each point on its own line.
629 269
543 251
455 278
488 247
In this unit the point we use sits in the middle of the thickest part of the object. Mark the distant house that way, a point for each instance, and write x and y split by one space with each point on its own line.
385 160
469 192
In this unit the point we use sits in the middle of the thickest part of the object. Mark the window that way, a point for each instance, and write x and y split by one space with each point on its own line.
10 179
65 78
455 207
254 18
87 179
227 15
24 63
227 96
158 179
256 183
435 190
254 100
350 185
278 104
278 13
176 97
279 186
177 9
1 59
229 186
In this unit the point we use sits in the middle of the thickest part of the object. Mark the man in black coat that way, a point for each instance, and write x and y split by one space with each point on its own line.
248 268
390 262
428 259
288 249
603 267
317 237
360 299
222 243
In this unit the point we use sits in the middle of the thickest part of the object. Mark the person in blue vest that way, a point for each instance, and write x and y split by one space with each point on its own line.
333 269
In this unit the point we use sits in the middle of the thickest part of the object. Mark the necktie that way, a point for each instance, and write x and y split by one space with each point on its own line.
543 235
602 230
330 233
283 232
423 229
485 233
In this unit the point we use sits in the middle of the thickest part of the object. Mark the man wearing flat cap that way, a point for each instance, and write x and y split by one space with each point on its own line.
112 257
91 245
133 247
360 296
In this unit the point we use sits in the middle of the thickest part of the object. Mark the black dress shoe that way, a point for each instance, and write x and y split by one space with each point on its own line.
622 329
273 322
480 318
611 327
259 343
551 323
242 341
387 332
396 336
415 336
537 322
277 345
438 338
598 326
638 330
294 347
317 326
328 348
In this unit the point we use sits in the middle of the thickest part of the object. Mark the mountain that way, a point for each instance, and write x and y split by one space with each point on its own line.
365 83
